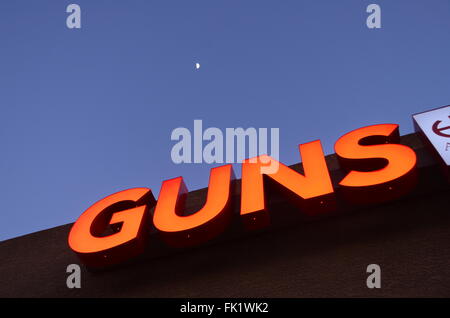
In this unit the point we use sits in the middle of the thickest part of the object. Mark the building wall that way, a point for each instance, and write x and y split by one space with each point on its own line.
408 238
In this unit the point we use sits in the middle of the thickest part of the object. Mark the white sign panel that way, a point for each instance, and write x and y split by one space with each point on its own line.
435 125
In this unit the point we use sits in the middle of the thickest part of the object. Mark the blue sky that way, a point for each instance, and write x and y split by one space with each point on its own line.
88 112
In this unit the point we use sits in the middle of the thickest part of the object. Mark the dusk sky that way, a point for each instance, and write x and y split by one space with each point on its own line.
89 112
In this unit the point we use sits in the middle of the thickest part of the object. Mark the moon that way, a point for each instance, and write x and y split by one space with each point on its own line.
197 66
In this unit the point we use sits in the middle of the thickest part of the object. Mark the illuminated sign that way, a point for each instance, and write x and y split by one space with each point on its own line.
377 169
434 126
129 209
